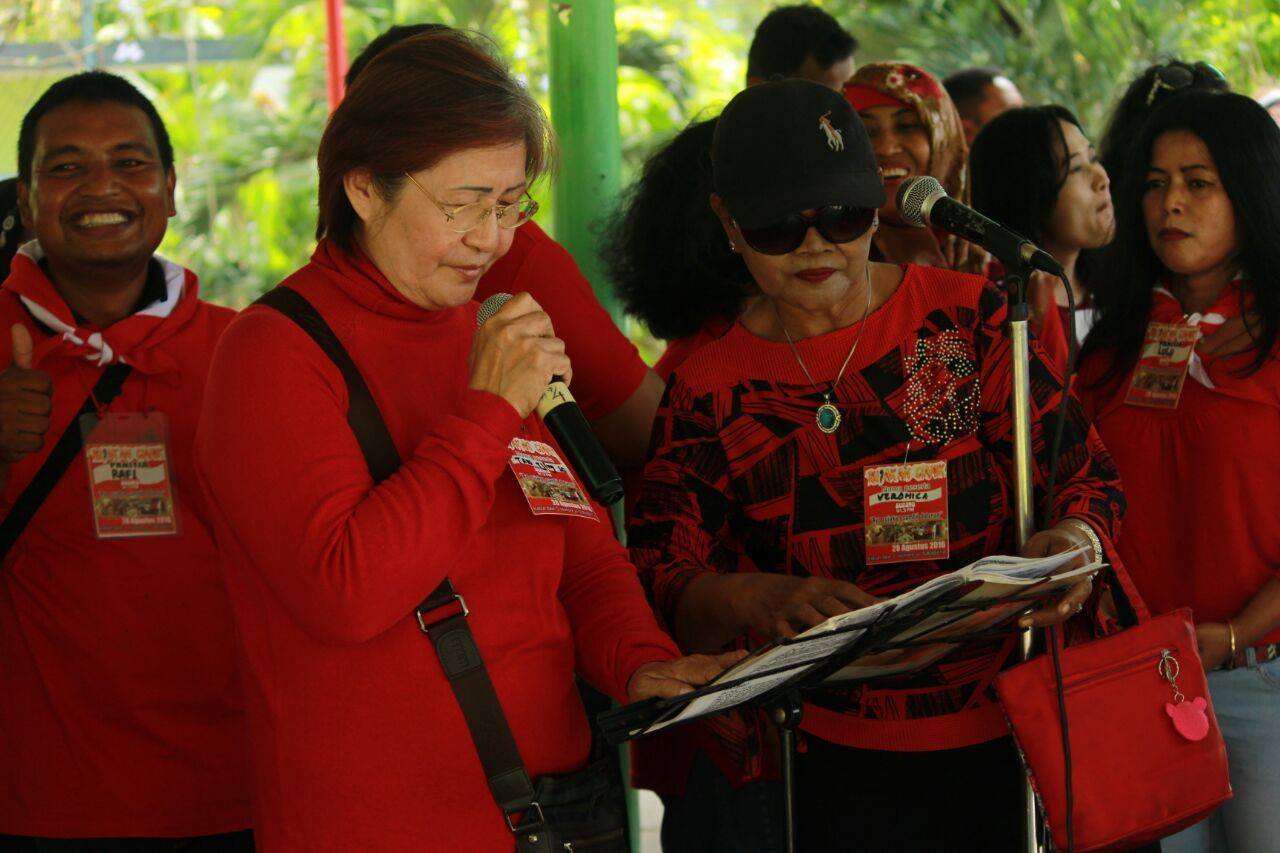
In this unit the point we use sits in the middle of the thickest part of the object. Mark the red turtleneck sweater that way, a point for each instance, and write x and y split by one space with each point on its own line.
358 742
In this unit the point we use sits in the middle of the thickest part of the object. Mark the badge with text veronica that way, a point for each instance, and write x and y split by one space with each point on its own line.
1162 367
905 510
548 484
130 474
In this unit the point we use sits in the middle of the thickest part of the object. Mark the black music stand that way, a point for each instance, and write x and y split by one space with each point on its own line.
782 699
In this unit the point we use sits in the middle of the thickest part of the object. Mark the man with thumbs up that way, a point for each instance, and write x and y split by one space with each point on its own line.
26 398
120 714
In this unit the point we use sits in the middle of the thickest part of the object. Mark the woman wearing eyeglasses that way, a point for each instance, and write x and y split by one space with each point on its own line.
915 130
359 740
753 520
1182 376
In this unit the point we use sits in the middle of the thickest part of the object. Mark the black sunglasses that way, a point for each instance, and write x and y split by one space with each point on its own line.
1175 78
837 223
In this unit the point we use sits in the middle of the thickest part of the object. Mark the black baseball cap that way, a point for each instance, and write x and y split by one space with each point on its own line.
790 145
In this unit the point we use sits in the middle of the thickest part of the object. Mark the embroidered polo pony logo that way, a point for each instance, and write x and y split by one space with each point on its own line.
835 139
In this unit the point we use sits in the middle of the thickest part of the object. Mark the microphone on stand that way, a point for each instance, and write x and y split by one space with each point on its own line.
560 412
922 200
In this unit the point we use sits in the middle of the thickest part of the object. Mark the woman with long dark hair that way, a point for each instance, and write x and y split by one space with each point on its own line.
1035 171
666 253
1182 379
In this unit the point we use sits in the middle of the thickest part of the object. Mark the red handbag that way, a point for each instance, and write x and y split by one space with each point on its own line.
1146 756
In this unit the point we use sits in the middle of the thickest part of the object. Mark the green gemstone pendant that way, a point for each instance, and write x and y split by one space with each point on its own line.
828 418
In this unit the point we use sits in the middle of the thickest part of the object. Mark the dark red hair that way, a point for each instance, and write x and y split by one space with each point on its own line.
416 103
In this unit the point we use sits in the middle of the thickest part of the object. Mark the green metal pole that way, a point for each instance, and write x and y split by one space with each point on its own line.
584 111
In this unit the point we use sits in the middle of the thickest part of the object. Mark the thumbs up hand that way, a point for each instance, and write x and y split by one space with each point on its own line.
26 399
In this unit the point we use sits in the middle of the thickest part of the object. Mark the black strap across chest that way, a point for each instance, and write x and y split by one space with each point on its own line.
442 616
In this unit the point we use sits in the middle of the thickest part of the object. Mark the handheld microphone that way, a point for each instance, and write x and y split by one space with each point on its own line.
560 412
922 200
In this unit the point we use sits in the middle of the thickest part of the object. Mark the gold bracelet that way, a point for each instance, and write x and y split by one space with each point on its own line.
1231 634
1087 529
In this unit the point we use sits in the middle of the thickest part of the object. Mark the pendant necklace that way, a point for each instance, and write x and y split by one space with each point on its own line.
828 416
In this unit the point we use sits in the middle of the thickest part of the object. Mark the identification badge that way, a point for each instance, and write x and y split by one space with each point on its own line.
130 474
905 512
548 484
1162 367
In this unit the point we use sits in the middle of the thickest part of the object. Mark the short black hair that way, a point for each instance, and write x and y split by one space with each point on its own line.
394 35
968 86
791 34
1018 164
88 87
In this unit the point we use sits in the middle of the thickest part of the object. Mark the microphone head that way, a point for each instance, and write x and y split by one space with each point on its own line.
491 306
915 197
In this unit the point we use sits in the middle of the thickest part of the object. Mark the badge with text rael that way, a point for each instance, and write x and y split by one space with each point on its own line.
905 511
548 484
1162 367
130 474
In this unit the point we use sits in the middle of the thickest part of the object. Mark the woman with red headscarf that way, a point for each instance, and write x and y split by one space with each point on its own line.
914 130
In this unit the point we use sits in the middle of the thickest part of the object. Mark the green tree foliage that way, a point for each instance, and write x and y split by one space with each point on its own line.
245 131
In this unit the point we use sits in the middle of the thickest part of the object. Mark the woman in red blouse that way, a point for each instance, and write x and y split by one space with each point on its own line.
1181 376
751 522
358 741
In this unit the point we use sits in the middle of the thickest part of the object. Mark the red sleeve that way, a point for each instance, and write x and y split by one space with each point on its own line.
1088 484
607 368
274 451
614 632
1052 335
680 527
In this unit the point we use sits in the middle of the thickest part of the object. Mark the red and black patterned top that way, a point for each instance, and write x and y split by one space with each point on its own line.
742 480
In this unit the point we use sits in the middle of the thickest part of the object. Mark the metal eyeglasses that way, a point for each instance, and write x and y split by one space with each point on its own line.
464 217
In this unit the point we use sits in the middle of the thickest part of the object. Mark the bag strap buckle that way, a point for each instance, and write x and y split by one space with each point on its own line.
528 822
441 612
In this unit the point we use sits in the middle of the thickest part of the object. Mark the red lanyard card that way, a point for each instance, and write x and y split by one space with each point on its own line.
905 512
130 474
548 484
1162 367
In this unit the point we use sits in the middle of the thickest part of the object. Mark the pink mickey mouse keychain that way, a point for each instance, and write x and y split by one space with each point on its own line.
1189 718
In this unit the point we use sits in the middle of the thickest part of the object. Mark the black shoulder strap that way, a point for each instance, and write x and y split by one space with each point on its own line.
442 616
60 457
362 412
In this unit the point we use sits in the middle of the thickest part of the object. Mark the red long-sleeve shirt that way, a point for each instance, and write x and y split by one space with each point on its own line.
607 368
120 705
742 480
1203 482
358 742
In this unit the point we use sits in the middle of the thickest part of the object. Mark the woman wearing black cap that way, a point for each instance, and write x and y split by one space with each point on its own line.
752 524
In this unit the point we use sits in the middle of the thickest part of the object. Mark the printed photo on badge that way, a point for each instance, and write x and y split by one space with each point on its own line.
905 512
549 486
130 473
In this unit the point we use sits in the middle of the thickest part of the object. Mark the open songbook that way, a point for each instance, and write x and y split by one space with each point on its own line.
895 636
